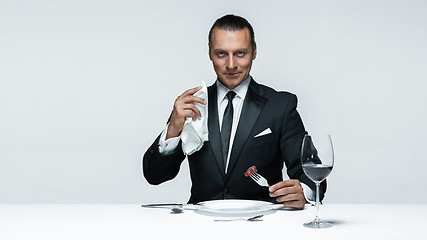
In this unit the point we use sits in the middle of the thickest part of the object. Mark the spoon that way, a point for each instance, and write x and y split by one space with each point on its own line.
177 209
255 218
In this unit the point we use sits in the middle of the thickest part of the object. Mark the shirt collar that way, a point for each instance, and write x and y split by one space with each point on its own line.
240 90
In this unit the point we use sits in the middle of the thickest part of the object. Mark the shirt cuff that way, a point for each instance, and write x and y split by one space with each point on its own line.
309 194
167 147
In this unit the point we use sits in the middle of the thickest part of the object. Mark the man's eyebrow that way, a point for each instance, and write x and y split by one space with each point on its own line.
237 50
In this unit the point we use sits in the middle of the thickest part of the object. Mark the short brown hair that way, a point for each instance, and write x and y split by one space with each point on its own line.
232 22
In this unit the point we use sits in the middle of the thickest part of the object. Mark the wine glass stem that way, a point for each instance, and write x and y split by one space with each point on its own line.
317 200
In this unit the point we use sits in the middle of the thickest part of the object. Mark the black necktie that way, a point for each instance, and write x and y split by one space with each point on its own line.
227 121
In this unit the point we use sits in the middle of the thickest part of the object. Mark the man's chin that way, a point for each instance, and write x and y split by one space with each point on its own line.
231 82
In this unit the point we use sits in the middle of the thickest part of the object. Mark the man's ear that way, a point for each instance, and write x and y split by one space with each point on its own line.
209 53
254 52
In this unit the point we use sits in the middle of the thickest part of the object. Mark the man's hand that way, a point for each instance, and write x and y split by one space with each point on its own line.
184 107
289 192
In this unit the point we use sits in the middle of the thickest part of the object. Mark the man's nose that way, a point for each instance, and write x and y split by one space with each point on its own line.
231 62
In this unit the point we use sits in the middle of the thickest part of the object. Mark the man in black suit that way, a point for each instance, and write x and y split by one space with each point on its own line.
249 125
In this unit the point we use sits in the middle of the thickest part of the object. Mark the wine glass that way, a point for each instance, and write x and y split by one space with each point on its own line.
317 157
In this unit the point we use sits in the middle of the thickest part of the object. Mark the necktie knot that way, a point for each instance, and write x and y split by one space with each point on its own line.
230 95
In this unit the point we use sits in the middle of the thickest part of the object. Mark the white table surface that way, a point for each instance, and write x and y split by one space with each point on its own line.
130 221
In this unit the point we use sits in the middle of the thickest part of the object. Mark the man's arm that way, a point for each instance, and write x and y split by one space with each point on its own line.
290 192
158 167
168 146
160 162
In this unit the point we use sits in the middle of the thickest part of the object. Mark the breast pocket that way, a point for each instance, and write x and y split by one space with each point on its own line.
269 138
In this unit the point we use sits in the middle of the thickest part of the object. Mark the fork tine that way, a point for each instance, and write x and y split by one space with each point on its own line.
256 174
256 177
252 177
260 179
255 180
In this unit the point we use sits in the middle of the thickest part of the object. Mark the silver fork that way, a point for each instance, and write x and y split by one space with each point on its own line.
259 179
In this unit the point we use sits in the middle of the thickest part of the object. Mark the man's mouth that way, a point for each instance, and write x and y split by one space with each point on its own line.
232 74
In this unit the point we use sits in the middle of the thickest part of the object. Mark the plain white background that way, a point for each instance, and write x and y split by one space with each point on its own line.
86 86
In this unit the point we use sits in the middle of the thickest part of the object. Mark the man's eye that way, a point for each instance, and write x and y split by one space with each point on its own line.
221 54
241 53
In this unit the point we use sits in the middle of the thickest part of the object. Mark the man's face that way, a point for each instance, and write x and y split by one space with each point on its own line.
231 54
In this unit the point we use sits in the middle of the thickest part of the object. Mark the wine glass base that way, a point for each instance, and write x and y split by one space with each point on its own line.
317 224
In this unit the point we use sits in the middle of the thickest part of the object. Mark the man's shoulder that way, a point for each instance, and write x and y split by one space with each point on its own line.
273 93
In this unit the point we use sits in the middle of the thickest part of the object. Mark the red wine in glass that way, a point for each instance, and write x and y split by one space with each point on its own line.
317 172
317 159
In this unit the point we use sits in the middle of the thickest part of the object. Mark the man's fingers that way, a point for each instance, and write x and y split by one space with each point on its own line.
289 192
194 99
192 115
191 91
191 110
297 204
293 200
286 191
289 198
184 103
284 184
184 107
188 99
281 192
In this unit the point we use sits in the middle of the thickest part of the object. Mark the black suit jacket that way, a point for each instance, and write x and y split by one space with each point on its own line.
263 108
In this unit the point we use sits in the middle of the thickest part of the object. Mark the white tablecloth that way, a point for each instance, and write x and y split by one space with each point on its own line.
130 221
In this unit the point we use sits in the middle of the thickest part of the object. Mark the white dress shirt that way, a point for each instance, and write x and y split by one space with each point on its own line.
168 146
240 91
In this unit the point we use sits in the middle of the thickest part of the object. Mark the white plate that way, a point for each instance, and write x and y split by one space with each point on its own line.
235 208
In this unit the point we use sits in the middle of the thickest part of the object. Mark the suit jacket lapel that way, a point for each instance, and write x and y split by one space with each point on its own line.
252 106
213 127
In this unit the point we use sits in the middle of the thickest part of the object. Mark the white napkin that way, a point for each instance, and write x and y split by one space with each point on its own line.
195 132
